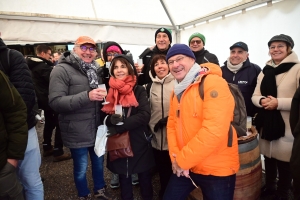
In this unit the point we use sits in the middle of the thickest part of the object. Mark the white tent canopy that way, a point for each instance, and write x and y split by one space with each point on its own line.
133 22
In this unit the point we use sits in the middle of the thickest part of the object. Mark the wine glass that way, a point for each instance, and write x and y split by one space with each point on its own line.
140 64
103 87
119 110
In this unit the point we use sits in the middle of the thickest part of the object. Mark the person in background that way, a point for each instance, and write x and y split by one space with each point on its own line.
56 56
74 94
239 70
273 94
197 130
295 157
160 91
197 43
124 91
19 75
41 68
110 50
163 40
13 138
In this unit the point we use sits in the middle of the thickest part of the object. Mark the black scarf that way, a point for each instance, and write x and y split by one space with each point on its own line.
200 55
157 51
271 120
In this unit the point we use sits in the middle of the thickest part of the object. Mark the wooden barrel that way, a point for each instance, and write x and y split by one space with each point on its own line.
248 178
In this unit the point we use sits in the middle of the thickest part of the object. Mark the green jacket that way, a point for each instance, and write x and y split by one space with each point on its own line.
13 125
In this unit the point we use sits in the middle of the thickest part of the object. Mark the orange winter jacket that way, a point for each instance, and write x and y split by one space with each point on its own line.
197 130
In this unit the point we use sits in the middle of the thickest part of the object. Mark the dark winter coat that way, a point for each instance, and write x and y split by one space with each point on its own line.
147 56
295 128
203 56
79 117
13 126
20 76
246 79
40 70
136 124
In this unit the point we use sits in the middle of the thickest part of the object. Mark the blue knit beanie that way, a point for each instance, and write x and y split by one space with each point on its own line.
180 49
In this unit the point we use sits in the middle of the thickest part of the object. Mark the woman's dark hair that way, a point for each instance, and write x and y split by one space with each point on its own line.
123 61
154 60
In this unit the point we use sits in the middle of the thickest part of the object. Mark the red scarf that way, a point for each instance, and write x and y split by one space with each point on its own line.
120 92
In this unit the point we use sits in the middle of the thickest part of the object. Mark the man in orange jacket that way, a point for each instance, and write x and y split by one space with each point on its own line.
197 130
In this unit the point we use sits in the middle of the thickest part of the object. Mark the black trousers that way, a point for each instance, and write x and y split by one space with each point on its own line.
51 123
285 176
164 167
145 182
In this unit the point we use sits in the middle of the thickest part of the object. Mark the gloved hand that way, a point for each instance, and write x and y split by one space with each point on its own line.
115 118
111 130
160 124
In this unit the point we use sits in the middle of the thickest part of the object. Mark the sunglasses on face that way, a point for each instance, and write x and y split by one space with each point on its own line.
112 54
197 41
85 48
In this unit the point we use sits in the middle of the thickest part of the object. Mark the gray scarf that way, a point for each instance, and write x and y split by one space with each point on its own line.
179 88
89 69
234 68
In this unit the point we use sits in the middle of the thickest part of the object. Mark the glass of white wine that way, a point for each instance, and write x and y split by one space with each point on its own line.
119 110
140 64
103 87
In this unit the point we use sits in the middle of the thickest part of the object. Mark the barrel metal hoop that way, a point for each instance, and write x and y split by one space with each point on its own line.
250 164
248 146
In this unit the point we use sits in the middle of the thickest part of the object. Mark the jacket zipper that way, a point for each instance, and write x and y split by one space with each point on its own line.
127 168
162 113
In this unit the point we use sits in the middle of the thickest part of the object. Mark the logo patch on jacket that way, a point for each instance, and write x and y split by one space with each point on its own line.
214 94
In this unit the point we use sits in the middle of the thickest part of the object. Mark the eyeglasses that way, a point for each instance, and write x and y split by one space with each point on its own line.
178 60
197 41
278 47
112 54
85 48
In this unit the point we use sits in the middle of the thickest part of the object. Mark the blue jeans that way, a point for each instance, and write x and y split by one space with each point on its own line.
213 187
29 168
80 163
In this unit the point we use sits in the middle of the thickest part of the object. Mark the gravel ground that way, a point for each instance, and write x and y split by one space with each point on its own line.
59 182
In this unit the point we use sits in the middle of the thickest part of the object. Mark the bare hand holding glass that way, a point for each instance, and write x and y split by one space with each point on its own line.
103 87
140 66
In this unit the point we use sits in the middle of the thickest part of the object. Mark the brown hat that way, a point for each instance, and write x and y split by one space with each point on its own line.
85 40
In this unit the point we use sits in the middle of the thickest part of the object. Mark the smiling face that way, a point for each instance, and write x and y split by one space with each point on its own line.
162 41
196 44
161 68
238 55
86 54
278 51
120 70
180 65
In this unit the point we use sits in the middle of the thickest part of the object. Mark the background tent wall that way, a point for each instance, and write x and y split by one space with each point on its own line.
255 27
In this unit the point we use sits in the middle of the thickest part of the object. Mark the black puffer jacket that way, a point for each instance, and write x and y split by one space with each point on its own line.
41 70
20 76
203 56
147 56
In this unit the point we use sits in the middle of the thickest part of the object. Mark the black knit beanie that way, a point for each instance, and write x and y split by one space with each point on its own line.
284 38
164 30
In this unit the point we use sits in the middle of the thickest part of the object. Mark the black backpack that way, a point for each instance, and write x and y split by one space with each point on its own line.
240 113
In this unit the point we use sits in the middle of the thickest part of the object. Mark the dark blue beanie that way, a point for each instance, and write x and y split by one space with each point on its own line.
180 49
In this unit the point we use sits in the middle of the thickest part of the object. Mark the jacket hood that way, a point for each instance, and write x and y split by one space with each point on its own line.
107 45
211 68
168 78
35 60
292 58
2 44
129 60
